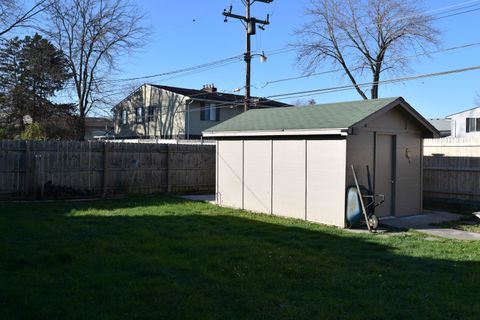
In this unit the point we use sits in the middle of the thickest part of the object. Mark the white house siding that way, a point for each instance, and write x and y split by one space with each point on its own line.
168 119
459 123
257 186
230 173
326 162
289 178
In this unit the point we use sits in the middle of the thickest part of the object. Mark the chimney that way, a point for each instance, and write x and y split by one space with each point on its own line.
210 88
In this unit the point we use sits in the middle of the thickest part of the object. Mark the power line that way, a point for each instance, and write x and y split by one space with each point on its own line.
238 58
250 24
339 69
350 87
239 103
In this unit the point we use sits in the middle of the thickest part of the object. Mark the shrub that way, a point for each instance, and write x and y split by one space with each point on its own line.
34 131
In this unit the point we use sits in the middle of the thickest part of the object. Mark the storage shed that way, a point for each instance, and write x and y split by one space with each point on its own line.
296 161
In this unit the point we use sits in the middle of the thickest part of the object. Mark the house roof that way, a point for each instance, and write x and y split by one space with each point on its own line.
460 112
98 122
195 94
333 118
441 124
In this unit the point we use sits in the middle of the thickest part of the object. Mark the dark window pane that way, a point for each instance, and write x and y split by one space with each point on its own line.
470 125
202 112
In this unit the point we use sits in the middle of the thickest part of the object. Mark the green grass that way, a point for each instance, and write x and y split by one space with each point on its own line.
165 258
468 223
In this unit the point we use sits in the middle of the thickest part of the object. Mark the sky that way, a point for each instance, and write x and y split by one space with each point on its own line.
184 33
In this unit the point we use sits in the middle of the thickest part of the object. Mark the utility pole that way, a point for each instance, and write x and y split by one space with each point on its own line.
250 24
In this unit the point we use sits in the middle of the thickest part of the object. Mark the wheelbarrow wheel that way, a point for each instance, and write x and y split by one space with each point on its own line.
373 221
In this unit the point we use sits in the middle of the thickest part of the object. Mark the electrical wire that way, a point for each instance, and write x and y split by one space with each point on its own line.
340 69
350 87
238 58
298 94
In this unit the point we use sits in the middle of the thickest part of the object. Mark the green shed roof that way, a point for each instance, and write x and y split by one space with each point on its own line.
325 116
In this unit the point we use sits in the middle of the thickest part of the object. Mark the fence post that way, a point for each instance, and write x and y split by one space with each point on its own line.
105 169
169 166
28 176
38 177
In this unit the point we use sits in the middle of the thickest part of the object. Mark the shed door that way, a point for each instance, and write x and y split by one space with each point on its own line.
385 173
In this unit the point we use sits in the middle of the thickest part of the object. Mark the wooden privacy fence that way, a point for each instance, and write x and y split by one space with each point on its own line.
56 169
452 171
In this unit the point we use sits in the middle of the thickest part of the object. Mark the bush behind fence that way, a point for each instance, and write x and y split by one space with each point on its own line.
59 169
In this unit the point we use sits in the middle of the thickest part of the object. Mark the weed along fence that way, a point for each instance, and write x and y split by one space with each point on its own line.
55 169
452 171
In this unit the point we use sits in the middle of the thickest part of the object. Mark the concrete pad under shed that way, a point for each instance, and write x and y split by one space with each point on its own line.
424 223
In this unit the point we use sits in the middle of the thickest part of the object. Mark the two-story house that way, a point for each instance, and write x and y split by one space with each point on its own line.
155 111
465 123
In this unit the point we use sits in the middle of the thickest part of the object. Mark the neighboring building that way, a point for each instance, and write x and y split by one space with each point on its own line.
98 128
444 126
155 111
296 162
466 123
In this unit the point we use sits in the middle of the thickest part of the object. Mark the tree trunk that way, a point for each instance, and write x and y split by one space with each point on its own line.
375 83
81 128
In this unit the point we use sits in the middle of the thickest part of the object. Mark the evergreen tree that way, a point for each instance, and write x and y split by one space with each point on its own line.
32 70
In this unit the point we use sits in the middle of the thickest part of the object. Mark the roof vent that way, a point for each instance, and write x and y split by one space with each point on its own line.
209 88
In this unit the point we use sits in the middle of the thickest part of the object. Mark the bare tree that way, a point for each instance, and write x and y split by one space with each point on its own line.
93 34
13 14
364 36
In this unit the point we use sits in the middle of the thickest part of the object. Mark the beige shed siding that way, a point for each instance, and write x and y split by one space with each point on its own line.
326 163
258 175
408 182
361 151
289 178
230 172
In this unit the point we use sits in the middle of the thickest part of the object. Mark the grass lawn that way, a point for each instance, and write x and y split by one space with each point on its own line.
166 258
468 222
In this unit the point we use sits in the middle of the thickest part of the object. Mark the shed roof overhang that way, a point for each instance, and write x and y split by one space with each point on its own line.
429 131
351 128
284 132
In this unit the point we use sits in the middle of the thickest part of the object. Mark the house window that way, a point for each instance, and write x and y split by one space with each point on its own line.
151 113
139 113
473 124
210 112
124 117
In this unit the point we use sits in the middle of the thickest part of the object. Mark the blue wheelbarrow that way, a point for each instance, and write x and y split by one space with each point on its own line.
361 202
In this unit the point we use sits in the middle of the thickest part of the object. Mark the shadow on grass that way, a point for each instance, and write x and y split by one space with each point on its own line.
173 261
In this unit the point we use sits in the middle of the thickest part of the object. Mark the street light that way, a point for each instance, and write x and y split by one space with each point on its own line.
247 58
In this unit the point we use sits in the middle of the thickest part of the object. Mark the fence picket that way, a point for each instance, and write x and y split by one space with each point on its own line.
78 169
